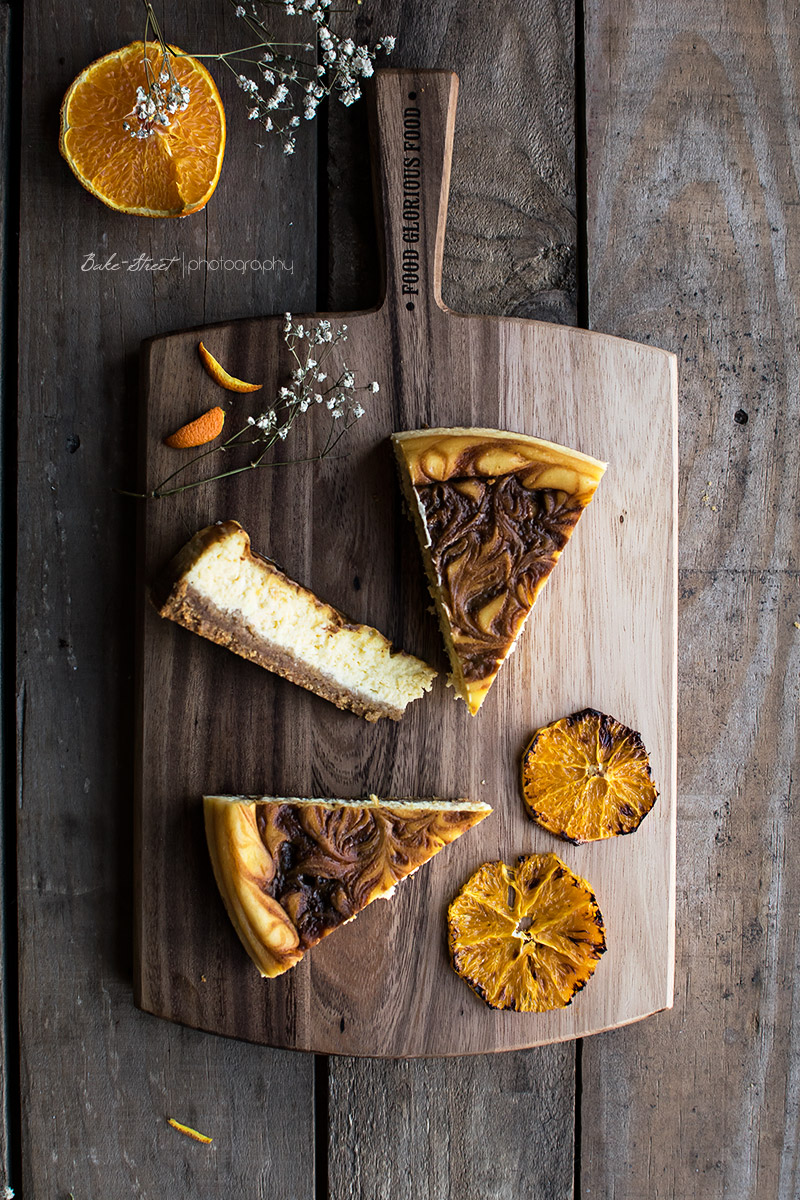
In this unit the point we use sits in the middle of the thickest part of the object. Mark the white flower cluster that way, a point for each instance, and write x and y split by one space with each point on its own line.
294 83
311 384
155 105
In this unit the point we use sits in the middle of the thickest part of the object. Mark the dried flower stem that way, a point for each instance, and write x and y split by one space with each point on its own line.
309 386
336 66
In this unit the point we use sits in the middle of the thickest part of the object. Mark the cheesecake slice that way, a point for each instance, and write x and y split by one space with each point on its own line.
219 587
292 871
493 512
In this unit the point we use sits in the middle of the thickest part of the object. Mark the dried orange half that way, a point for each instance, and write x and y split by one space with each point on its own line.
148 169
587 777
526 937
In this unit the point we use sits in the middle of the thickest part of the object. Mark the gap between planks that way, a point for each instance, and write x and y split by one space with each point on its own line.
10 88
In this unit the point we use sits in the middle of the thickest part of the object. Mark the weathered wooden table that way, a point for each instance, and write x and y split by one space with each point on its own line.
628 166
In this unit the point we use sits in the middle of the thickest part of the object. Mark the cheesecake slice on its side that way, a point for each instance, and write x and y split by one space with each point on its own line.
220 588
291 870
493 511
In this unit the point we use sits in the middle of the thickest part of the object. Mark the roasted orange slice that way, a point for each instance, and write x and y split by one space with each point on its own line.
526 937
147 168
587 777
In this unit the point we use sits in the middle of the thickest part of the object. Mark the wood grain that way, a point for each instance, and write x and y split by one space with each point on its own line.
694 240
369 1136
8 944
494 1127
211 722
99 1079
510 243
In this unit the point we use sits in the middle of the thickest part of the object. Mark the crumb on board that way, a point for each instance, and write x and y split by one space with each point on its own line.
706 498
187 1129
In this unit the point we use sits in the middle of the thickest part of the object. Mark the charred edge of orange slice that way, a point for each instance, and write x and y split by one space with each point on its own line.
223 377
200 432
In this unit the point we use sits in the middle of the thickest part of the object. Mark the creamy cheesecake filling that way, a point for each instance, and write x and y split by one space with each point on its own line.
399 805
250 590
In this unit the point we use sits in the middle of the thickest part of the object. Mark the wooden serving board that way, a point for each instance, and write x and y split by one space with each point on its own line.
603 634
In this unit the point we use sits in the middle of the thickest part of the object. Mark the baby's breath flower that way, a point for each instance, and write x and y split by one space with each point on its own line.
163 98
301 74
273 426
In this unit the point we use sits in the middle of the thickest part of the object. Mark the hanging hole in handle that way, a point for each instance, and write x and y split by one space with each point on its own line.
410 306
412 95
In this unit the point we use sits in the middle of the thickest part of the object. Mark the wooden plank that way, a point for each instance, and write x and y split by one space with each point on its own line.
99 1078
578 389
8 945
694 240
432 36
498 1127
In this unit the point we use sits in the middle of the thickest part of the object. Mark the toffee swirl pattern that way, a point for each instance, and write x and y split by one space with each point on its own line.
331 862
494 542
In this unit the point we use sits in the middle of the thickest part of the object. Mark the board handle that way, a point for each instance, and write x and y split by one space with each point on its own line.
412 120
